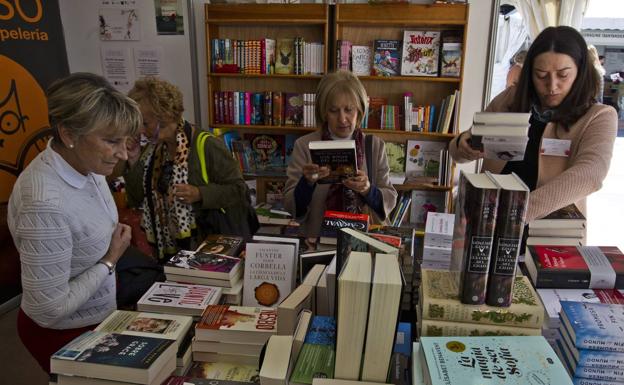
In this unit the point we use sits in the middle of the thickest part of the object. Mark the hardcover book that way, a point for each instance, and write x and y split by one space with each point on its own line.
387 58
500 135
179 298
422 161
242 324
204 265
451 60
116 357
293 109
335 220
512 205
574 267
475 219
361 60
270 270
596 326
491 360
338 155
567 217
285 58
316 358
268 151
221 244
421 50
439 300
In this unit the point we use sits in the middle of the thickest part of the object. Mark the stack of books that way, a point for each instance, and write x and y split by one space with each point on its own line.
179 298
117 358
564 227
315 358
551 298
213 373
438 241
592 346
229 333
487 361
167 326
440 312
500 135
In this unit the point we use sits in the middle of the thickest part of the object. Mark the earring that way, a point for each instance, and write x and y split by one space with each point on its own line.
71 145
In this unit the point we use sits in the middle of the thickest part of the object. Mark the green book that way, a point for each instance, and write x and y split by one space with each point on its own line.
317 356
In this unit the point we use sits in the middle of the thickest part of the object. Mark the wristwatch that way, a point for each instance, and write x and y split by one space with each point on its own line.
110 265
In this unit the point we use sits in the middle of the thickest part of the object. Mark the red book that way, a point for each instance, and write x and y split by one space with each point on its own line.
335 220
576 267
238 324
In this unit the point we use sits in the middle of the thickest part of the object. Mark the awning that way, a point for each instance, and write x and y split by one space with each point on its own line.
603 31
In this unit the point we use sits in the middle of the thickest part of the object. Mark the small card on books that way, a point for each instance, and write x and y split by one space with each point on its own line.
420 53
338 155
179 298
500 135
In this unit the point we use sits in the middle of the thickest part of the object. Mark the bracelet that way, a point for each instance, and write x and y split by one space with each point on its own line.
109 265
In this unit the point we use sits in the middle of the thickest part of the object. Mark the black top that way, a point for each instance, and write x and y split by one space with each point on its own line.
526 168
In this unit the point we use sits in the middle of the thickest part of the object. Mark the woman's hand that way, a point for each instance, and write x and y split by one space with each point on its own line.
119 243
187 193
358 183
465 150
313 172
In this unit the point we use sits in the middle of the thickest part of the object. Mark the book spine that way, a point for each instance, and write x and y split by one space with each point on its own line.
600 359
507 238
587 381
597 342
600 374
479 211
436 328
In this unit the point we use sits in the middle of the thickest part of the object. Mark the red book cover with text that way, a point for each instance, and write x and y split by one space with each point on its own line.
568 267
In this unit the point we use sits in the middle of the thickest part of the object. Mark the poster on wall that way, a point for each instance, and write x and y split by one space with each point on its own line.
116 67
169 19
119 24
147 61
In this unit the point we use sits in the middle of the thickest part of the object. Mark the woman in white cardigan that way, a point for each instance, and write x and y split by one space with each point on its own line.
63 218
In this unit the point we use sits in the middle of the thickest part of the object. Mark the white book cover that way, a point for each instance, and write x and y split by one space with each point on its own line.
361 60
422 160
179 295
167 326
269 269
421 51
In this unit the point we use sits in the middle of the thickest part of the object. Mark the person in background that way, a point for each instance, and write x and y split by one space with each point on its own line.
63 219
515 68
595 60
341 102
571 136
165 178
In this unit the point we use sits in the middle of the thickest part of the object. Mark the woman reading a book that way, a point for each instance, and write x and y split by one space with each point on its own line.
186 181
571 135
63 219
340 105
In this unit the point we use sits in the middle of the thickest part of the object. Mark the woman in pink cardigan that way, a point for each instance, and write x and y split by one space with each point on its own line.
571 135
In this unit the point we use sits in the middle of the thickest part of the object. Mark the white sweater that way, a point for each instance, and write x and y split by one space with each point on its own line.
62 222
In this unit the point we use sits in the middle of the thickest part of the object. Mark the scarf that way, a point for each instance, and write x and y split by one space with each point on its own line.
166 219
339 197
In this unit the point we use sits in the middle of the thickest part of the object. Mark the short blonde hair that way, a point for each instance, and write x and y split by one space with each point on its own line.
341 82
162 97
84 103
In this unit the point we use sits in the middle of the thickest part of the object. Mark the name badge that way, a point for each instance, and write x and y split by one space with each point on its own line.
555 147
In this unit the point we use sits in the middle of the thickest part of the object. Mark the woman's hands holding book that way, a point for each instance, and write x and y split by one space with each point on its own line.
358 183
313 172
464 148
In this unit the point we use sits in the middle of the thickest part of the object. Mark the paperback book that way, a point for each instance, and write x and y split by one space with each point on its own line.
596 326
316 358
500 135
361 60
179 298
237 324
270 271
204 265
221 244
567 217
551 298
387 58
422 161
338 155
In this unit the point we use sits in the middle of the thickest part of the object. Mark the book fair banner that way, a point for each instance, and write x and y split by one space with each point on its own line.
32 55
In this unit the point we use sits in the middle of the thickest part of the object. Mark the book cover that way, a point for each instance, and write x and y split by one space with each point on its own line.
588 358
421 50
110 349
596 326
422 161
512 205
551 299
179 298
527 360
373 120
316 358
338 155
361 60
335 220
229 323
205 265
221 244
475 219
387 58
269 273
268 151
284 58
167 326
424 202
224 371
439 299
395 152
567 217
570 267
293 109
451 60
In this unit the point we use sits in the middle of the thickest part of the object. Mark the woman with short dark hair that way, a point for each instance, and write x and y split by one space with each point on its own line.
558 86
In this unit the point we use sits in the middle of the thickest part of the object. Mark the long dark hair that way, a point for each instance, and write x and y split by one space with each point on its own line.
582 95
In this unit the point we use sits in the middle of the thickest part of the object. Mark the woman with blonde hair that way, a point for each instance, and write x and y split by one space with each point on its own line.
187 187
340 104
63 219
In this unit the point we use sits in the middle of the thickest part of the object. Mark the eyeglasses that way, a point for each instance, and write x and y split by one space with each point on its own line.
166 172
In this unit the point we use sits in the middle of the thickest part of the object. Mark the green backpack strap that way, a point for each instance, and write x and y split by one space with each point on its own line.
201 141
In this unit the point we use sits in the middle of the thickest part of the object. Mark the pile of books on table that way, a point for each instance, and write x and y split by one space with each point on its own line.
564 227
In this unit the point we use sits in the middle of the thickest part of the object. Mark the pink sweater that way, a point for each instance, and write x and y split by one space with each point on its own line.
564 180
